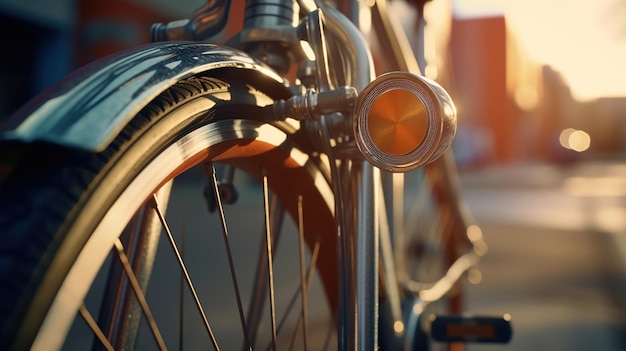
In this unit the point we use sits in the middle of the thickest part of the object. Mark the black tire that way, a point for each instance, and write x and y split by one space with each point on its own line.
57 203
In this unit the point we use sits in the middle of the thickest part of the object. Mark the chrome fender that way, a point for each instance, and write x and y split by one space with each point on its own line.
89 108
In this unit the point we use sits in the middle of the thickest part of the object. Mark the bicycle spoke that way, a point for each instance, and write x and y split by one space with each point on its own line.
229 254
258 298
292 302
302 319
94 327
388 269
398 224
155 205
139 294
303 282
181 291
268 237
329 334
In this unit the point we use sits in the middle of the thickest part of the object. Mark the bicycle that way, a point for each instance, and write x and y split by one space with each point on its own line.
289 110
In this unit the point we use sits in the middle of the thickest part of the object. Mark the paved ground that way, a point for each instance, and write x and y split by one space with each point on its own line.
557 254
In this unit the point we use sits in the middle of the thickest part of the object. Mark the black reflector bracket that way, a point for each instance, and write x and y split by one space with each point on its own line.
496 330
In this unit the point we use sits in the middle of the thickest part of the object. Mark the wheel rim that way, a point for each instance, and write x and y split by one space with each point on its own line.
232 141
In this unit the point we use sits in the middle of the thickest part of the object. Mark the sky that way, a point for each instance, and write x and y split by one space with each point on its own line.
584 40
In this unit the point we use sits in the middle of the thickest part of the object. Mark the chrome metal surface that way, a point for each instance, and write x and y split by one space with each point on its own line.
367 251
435 130
359 72
89 108
393 38
206 21
269 13
360 64
318 42
387 262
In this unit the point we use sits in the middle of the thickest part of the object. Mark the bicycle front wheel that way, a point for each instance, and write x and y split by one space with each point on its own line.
137 243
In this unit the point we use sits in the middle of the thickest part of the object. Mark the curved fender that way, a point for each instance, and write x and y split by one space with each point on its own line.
91 106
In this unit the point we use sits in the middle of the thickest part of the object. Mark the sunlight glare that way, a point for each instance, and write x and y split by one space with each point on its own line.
474 276
608 186
398 327
578 39
576 140
610 219
526 97
579 141
564 137
582 40
308 50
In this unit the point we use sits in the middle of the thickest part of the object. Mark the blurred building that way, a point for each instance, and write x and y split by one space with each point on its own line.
513 109
478 50
478 60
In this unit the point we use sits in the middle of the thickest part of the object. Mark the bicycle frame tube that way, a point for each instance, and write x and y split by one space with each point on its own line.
365 201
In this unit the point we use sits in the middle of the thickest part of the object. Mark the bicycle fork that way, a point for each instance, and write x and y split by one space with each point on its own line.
352 116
